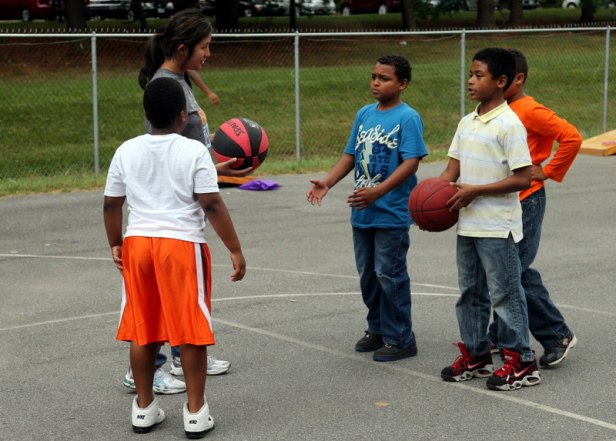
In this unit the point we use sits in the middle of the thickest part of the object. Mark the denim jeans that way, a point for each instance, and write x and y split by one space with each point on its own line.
161 358
545 321
489 278
380 256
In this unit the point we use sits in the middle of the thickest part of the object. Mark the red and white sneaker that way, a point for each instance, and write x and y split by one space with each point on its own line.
514 373
466 366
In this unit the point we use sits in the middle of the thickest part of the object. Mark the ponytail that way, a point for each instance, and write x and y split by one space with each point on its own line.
187 27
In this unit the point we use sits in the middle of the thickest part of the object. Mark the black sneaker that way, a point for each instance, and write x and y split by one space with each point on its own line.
466 366
553 356
369 342
393 352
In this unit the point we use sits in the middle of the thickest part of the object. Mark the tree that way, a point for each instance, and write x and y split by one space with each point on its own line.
516 12
292 15
227 16
74 14
485 14
408 16
588 11
137 8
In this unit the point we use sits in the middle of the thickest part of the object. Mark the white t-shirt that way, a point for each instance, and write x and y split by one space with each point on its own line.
160 175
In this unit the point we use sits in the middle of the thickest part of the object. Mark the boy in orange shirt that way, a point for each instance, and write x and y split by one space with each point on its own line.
543 126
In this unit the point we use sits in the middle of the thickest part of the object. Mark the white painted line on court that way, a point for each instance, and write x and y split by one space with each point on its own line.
501 396
398 368
252 268
224 299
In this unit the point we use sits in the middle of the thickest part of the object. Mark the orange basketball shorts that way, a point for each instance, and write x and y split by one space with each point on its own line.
166 294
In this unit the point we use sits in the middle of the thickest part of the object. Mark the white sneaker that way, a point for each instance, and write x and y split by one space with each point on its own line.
145 419
196 425
214 366
164 383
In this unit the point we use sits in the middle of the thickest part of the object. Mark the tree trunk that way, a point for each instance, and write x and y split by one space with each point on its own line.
138 13
74 14
515 12
408 16
292 15
485 13
588 11
227 18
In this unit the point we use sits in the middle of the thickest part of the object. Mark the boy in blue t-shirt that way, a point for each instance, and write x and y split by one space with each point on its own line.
384 149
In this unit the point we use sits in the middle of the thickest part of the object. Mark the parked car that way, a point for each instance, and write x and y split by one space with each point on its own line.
573 4
27 10
348 7
246 8
158 8
121 9
471 5
99 9
317 7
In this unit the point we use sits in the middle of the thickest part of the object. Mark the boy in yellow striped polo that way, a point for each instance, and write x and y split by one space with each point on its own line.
489 158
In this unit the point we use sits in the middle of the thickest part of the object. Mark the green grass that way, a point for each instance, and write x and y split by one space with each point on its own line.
46 133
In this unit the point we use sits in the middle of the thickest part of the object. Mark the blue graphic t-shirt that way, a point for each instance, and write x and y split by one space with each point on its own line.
380 141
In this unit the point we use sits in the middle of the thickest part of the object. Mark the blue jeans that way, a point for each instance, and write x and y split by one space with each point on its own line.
489 278
546 323
380 256
161 358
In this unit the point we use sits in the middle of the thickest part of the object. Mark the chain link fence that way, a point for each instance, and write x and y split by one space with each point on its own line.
68 101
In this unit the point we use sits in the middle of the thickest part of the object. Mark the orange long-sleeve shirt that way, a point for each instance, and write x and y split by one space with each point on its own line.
544 127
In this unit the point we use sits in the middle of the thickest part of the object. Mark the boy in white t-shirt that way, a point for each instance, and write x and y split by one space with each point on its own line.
168 182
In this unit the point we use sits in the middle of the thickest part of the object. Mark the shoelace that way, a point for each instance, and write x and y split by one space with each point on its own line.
506 370
462 361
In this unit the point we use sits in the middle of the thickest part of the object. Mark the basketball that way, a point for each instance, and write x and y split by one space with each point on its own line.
428 205
243 139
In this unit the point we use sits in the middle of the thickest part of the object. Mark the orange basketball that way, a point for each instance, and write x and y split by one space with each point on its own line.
428 205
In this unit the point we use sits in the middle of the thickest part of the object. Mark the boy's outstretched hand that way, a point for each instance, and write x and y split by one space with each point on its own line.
318 191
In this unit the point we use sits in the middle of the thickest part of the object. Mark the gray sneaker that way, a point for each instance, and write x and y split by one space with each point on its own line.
214 366
164 383
551 357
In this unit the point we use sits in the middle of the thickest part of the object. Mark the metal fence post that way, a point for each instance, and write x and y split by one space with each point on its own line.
606 77
297 100
95 107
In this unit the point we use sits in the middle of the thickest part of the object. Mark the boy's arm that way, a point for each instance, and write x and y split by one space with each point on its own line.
452 170
362 197
569 141
112 216
319 188
196 78
218 216
519 180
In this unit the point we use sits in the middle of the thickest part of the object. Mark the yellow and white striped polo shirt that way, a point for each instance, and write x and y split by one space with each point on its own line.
489 147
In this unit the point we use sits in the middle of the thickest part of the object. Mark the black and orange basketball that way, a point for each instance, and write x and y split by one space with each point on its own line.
243 139
428 205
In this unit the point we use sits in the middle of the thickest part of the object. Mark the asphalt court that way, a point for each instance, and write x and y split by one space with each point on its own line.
290 326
